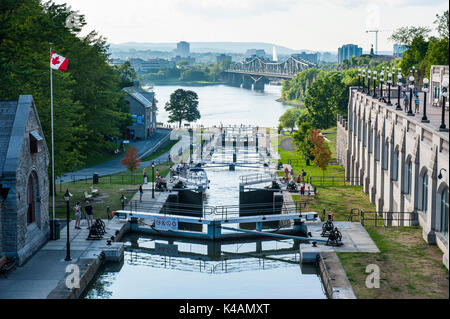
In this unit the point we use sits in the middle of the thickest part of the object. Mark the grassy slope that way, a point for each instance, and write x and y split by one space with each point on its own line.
410 268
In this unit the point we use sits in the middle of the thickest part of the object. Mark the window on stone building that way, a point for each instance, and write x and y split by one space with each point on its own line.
424 192
444 212
408 177
377 147
395 165
385 155
30 201
35 140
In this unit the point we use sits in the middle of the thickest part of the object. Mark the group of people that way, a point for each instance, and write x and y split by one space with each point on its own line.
416 100
289 177
78 210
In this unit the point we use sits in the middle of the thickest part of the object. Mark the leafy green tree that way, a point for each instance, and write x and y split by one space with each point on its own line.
406 35
289 118
183 105
127 74
442 25
326 98
301 136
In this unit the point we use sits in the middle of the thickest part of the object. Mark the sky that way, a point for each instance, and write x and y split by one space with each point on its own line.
318 25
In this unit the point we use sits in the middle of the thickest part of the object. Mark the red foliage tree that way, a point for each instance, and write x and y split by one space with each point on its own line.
131 160
320 150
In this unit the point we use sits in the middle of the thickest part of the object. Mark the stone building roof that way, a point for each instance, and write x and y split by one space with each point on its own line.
139 94
14 117
7 116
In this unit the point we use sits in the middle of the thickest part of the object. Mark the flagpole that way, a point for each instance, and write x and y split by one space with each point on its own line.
53 147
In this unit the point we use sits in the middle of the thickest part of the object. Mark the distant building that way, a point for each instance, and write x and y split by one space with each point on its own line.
328 57
143 111
183 48
398 50
155 65
188 59
347 51
223 57
24 182
311 57
255 53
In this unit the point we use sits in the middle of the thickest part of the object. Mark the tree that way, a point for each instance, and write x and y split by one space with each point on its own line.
321 150
131 159
406 35
183 105
442 25
127 74
289 118
301 136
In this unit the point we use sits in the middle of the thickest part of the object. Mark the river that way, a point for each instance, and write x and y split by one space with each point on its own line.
228 105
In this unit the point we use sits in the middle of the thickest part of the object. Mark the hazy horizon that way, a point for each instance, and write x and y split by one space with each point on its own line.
315 25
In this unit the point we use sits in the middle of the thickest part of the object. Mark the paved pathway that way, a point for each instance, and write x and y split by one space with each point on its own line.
286 144
42 273
114 166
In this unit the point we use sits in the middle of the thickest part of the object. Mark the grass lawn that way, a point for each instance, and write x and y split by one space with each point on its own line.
160 151
334 174
409 267
110 188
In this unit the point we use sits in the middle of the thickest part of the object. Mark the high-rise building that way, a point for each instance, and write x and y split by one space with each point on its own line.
347 51
255 52
223 57
183 49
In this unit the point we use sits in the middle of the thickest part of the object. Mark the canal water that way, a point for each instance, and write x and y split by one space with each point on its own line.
214 270
228 105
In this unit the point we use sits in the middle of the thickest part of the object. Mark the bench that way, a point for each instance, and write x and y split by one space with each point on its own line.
87 196
94 191
7 265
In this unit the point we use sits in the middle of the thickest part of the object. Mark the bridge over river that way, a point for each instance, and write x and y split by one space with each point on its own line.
256 72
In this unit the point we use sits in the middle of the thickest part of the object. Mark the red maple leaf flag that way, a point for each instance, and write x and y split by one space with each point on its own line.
58 62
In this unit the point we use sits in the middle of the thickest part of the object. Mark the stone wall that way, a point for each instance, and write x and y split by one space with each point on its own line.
391 154
342 142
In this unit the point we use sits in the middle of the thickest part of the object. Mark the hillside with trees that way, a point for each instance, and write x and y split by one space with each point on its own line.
89 109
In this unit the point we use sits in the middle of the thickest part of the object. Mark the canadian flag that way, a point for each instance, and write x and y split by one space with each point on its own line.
58 62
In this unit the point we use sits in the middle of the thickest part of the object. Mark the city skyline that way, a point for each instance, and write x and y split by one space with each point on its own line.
289 23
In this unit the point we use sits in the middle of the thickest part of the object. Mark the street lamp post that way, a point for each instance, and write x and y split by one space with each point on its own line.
363 80
67 197
374 84
425 90
399 89
443 127
389 82
411 87
153 179
381 83
368 82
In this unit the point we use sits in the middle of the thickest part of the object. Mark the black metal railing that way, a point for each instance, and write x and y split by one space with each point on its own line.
386 219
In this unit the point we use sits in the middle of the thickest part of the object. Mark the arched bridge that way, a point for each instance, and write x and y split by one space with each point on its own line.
256 71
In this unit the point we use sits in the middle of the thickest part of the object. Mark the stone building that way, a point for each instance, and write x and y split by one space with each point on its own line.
402 161
143 111
24 184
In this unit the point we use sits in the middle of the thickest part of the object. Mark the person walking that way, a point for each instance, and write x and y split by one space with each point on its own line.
299 179
286 171
89 214
406 102
141 192
416 102
292 173
157 173
145 176
77 210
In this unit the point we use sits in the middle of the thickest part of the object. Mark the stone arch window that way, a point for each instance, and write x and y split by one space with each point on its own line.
33 202
385 155
443 209
407 176
423 191
394 164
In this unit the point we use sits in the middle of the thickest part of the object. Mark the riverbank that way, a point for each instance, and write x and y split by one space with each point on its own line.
296 103
183 83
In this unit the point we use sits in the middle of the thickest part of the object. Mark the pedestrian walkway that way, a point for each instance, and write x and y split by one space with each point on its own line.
40 275
114 166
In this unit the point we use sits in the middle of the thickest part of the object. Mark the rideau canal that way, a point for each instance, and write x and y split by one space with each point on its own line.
193 272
